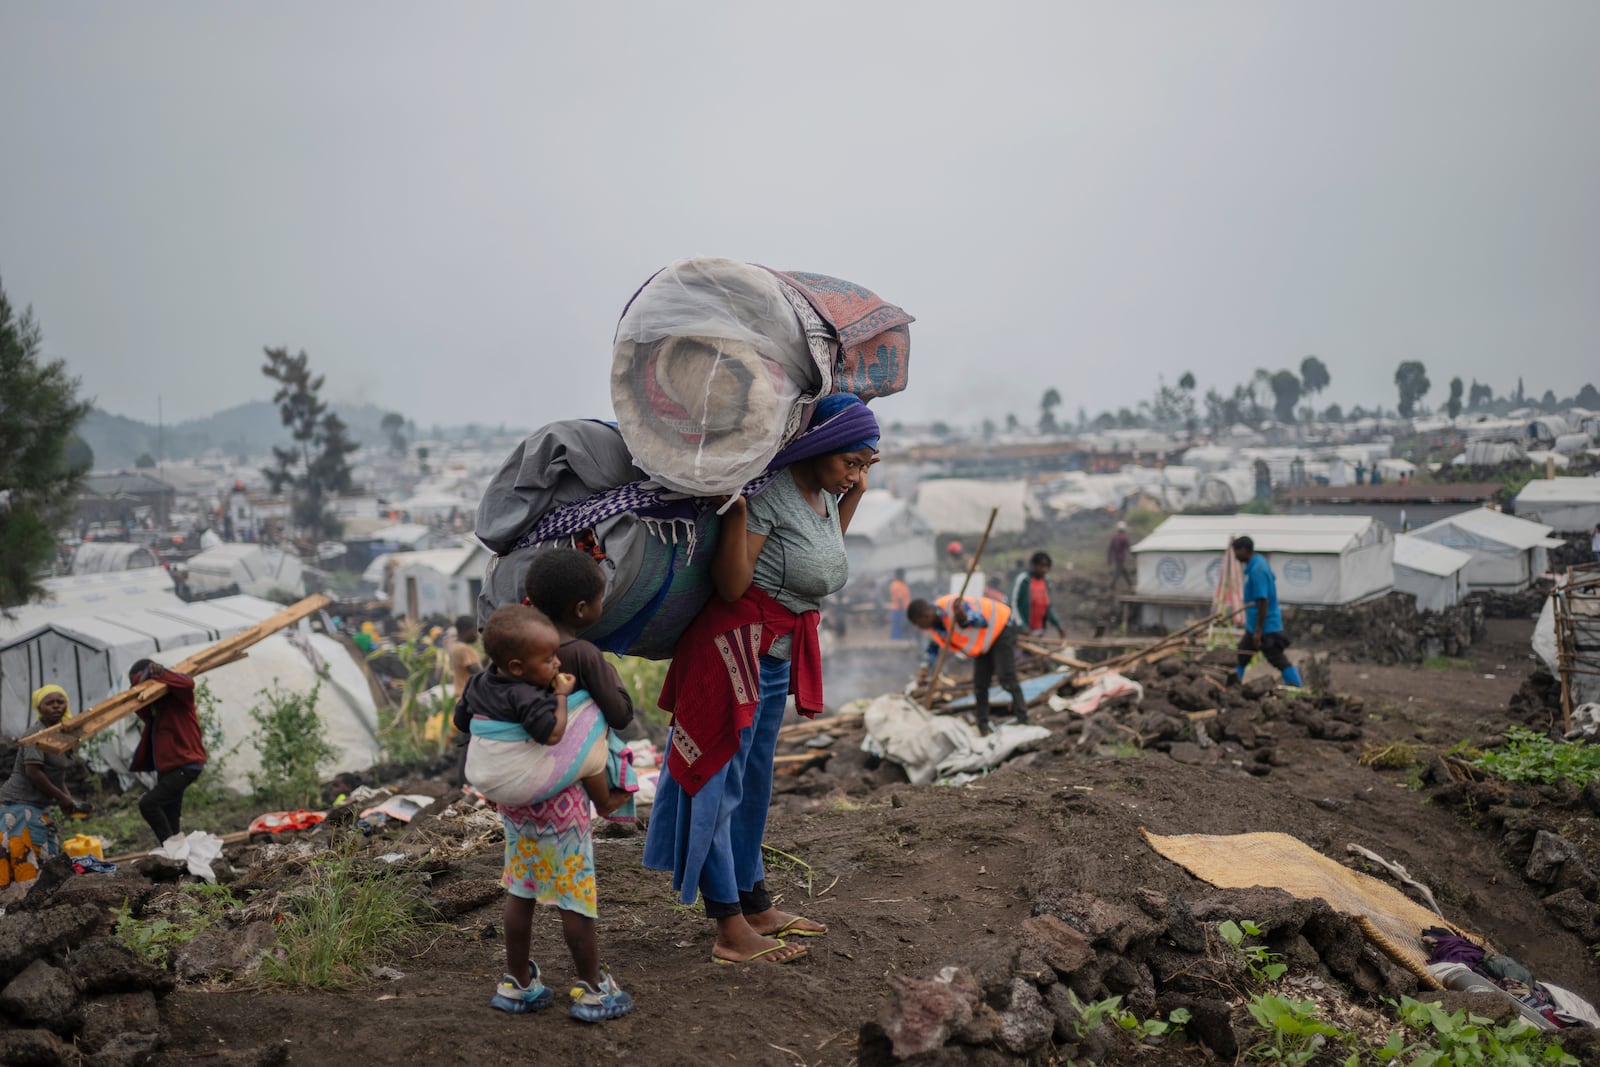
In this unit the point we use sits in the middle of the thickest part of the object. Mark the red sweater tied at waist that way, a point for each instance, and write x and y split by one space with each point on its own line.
714 684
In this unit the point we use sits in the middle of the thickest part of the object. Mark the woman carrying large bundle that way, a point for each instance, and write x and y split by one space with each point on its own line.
754 644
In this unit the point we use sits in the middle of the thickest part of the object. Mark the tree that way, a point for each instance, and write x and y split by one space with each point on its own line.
1286 394
79 455
941 429
1479 396
1411 378
392 424
1452 406
1047 410
39 415
1314 377
317 466
988 429
1588 397
1548 401
1186 383
1518 397
1012 425
1334 413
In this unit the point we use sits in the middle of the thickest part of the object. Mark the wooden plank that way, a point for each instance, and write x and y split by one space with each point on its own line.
237 838
70 733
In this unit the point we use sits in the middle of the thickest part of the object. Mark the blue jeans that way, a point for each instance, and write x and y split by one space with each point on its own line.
711 842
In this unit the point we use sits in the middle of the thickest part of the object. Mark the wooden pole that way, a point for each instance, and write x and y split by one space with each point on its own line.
70 733
944 648
1564 657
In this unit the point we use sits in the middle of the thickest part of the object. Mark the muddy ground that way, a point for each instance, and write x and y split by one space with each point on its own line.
913 878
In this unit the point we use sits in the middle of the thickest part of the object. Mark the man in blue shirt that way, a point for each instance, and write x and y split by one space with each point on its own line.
1263 620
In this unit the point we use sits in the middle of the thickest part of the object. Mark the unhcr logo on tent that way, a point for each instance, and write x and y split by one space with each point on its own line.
1297 572
1171 571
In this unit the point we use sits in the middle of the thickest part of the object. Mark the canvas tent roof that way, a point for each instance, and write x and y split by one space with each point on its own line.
1560 491
1416 554
877 511
962 505
1301 534
83 594
1498 527
97 557
443 560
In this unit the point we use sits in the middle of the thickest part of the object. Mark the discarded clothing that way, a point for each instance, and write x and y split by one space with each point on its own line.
1105 688
277 822
930 747
93 865
28 837
1446 947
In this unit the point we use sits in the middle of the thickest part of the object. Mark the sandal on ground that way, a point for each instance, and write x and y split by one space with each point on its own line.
791 928
795 952
511 996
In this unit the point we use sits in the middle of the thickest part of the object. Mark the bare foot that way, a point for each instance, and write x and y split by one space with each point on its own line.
775 923
738 942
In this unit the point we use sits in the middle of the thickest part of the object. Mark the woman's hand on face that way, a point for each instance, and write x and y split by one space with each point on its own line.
861 479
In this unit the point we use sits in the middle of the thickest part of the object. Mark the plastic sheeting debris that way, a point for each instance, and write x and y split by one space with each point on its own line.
1105 688
937 746
195 849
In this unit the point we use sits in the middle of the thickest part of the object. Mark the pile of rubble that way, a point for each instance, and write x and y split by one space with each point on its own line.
1389 630
1524 605
1018 998
1194 709
73 991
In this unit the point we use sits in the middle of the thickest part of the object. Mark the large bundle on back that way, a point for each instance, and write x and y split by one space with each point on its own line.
716 367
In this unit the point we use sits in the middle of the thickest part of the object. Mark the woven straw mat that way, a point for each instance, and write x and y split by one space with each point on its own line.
1392 920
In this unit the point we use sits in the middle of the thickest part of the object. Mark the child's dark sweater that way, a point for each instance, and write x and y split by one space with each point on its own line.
506 699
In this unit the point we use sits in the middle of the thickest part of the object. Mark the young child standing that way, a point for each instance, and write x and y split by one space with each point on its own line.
549 847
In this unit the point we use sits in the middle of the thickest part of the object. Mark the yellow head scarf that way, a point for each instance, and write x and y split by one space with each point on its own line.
45 690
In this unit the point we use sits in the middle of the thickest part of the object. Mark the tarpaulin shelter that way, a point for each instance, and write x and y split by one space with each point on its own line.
88 653
251 568
1432 573
1507 553
1318 559
1566 505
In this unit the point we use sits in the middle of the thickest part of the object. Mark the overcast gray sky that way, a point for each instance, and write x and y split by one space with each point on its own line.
447 205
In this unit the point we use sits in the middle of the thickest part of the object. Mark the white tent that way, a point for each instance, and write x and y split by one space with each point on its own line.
1488 453
83 594
440 581
962 505
1317 559
1225 489
1507 553
1432 573
886 533
255 569
97 557
1568 505
88 654
1571 444
293 661
1547 428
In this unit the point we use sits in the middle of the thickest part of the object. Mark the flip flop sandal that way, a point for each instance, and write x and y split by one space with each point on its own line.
788 929
753 957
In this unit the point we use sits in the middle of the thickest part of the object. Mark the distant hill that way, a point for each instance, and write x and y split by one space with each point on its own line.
247 430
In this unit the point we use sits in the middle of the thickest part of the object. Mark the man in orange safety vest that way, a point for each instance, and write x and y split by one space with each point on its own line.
979 629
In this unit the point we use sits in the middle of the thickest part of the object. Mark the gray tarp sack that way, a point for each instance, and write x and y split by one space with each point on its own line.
557 464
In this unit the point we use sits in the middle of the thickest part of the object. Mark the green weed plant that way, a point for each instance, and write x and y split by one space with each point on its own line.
1528 756
292 743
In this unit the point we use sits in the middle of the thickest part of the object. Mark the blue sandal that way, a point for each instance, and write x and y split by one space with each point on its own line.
591 1005
512 996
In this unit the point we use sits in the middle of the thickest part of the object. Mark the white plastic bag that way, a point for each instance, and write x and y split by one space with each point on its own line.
196 849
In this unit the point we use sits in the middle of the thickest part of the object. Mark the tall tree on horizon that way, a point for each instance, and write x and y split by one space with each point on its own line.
1047 410
1411 378
1314 376
39 416
1285 395
317 466
1453 405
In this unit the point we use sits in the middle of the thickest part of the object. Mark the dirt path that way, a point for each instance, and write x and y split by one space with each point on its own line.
910 879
